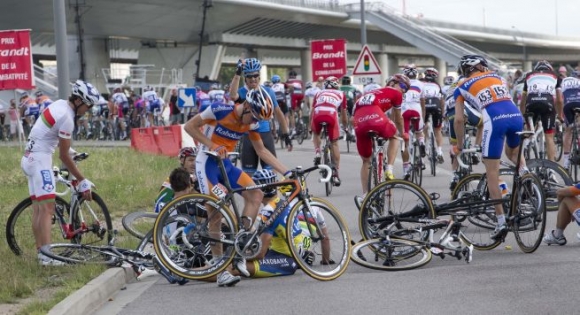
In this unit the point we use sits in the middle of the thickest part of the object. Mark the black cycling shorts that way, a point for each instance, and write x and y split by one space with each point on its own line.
435 112
545 112
250 158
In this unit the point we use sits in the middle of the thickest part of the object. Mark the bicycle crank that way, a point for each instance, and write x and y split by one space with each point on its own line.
247 244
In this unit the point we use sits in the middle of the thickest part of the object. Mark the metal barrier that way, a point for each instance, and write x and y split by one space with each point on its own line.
141 76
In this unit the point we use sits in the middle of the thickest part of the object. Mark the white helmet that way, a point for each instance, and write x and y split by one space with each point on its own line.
86 92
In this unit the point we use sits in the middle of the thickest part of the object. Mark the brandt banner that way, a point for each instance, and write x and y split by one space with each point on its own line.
328 58
15 60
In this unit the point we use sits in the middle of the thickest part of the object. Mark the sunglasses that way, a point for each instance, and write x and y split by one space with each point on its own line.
252 76
403 86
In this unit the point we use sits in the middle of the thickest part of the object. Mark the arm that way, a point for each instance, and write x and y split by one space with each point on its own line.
523 102
569 191
424 112
235 84
266 240
559 104
63 154
398 118
193 128
281 120
267 156
459 122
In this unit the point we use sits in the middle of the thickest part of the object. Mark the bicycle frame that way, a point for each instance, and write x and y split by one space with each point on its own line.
537 136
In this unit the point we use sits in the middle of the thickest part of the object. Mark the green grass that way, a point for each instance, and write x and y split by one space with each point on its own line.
126 180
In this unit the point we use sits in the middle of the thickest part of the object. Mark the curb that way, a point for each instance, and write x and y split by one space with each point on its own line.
95 293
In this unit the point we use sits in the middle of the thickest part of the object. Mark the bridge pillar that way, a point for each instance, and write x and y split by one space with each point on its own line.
211 61
389 65
441 66
527 65
95 57
306 65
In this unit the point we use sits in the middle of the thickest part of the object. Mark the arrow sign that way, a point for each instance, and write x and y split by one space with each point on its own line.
186 97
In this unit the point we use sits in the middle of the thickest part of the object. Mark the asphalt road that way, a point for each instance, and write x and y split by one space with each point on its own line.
496 282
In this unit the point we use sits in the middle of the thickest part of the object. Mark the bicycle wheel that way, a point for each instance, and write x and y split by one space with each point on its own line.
299 131
138 223
178 221
553 177
81 254
19 227
324 233
390 255
94 217
373 179
417 167
559 142
529 213
432 153
390 198
327 159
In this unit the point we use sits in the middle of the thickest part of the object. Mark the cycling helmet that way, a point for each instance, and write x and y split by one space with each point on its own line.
308 85
331 83
400 78
292 74
468 63
148 88
575 73
410 71
252 65
86 92
431 74
187 151
268 83
214 87
543 65
276 78
260 103
39 93
448 80
24 95
346 80
117 90
265 176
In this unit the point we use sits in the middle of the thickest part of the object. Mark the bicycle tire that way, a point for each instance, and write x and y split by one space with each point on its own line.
393 197
373 169
433 149
417 167
392 255
299 131
174 256
327 159
19 227
559 142
333 228
136 223
84 212
553 177
529 208
80 254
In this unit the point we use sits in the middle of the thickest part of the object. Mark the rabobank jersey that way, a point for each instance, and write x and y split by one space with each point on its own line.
120 99
483 89
412 98
571 90
280 91
223 127
541 87
216 96
55 122
296 84
264 125
432 94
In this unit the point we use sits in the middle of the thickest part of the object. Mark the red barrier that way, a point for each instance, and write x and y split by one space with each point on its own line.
168 139
142 140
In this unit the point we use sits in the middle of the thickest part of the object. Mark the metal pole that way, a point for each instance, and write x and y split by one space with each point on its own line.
363 27
206 5
59 15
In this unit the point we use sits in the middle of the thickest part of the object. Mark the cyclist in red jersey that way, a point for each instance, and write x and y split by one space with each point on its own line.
325 109
296 90
369 115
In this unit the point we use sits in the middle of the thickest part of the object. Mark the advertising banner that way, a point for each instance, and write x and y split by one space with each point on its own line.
328 58
16 60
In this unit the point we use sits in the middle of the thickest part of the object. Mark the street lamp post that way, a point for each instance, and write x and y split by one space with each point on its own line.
524 56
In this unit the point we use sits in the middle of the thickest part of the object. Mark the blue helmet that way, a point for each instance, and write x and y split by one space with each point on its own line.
276 78
265 176
252 65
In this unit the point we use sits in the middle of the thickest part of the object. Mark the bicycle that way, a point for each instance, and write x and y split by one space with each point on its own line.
140 261
330 261
415 174
468 160
327 158
300 129
536 144
431 145
559 140
158 119
79 221
574 158
525 215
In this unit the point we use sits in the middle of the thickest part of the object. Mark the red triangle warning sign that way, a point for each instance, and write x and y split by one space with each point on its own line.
366 64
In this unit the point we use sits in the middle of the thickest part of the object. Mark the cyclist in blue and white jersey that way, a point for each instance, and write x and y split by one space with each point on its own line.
122 104
202 98
42 100
153 104
279 89
434 105
489 93
447 82
250 67
541 97
412 107
570 95
371 86
216 94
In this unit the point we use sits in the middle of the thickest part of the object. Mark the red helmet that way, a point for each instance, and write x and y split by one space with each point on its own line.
400 78
187 151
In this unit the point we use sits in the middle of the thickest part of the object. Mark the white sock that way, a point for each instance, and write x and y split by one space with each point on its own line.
501 219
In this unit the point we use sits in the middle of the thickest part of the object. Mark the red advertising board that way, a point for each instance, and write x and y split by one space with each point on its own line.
328 58
16 60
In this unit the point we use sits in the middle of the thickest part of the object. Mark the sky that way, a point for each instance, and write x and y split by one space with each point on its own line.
551 17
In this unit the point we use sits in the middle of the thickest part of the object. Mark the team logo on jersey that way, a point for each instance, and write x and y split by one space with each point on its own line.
47 184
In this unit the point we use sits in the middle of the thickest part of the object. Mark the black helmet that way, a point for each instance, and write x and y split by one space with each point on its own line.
468 63
346 80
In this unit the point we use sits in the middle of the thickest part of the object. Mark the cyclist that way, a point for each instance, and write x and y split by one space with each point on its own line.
296 91
352 94
570 94
224 126
518 89
447 82
568 211
434 106
216 94
488 92
56 128
186 157
153 104
413 104
541 96
369 115
327 104
249 157
42 100
29 111
279 89
122 104
370 86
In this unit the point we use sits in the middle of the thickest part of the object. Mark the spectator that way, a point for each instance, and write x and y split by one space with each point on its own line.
174 110
569 210
562 72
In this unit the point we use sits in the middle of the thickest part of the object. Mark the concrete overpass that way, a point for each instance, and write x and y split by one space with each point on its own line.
166 35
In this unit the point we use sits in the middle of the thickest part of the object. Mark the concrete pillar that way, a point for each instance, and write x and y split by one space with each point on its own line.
264 74
392 65
171 58
441 66
306 65
96 57
383 60
211 61
527 65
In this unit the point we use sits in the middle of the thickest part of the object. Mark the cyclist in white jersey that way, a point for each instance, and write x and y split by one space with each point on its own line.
434 105
412 107
122 104
152 103
215 94
447 82
55 127
371 86
570 96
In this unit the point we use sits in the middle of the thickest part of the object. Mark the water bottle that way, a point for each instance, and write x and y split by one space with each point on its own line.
503 188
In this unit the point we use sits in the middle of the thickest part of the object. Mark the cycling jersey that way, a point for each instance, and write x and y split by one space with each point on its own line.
31 108
264 125
433 95
216 96
369 115
325 109
370 87
166 193
153 102
280 91
541 87
571 97
412 98
351 94
297 93
43 101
